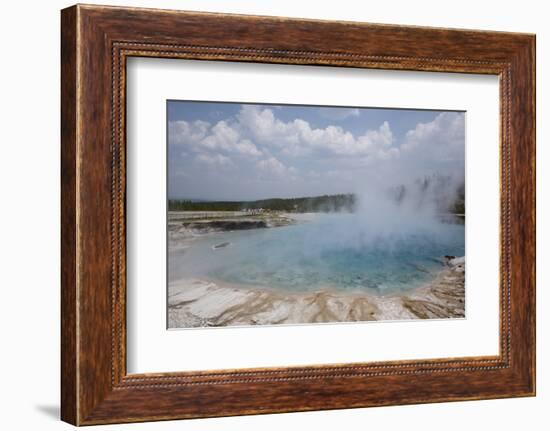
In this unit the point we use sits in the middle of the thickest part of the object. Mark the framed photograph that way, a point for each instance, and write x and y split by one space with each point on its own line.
293 214
264 215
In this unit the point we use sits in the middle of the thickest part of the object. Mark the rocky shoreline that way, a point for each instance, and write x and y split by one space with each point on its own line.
198 303
184 225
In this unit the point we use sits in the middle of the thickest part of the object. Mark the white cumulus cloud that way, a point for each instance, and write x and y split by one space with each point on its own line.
272 167
202 136
441 139
256 127
299 138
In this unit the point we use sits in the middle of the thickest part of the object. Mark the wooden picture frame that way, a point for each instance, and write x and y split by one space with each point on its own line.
95 43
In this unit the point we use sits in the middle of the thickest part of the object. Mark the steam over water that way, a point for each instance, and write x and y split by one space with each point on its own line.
378 250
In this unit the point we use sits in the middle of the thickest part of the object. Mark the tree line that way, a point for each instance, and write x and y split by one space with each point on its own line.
447 195
441 191
325 203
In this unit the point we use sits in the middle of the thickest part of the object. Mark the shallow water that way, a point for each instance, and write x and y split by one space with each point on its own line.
341 251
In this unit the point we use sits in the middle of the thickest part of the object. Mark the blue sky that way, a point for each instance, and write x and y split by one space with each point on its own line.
234 151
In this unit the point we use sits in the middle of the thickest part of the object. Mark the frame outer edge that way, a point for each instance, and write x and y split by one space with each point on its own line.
529 61
532 79
69 201
533 54
523 217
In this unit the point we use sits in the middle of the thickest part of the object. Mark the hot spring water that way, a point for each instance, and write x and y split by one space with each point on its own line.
328 251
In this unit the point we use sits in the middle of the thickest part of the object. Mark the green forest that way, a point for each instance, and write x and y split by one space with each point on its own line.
325 203
449 198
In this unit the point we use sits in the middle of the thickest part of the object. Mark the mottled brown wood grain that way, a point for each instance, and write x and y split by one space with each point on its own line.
96 41
68 218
